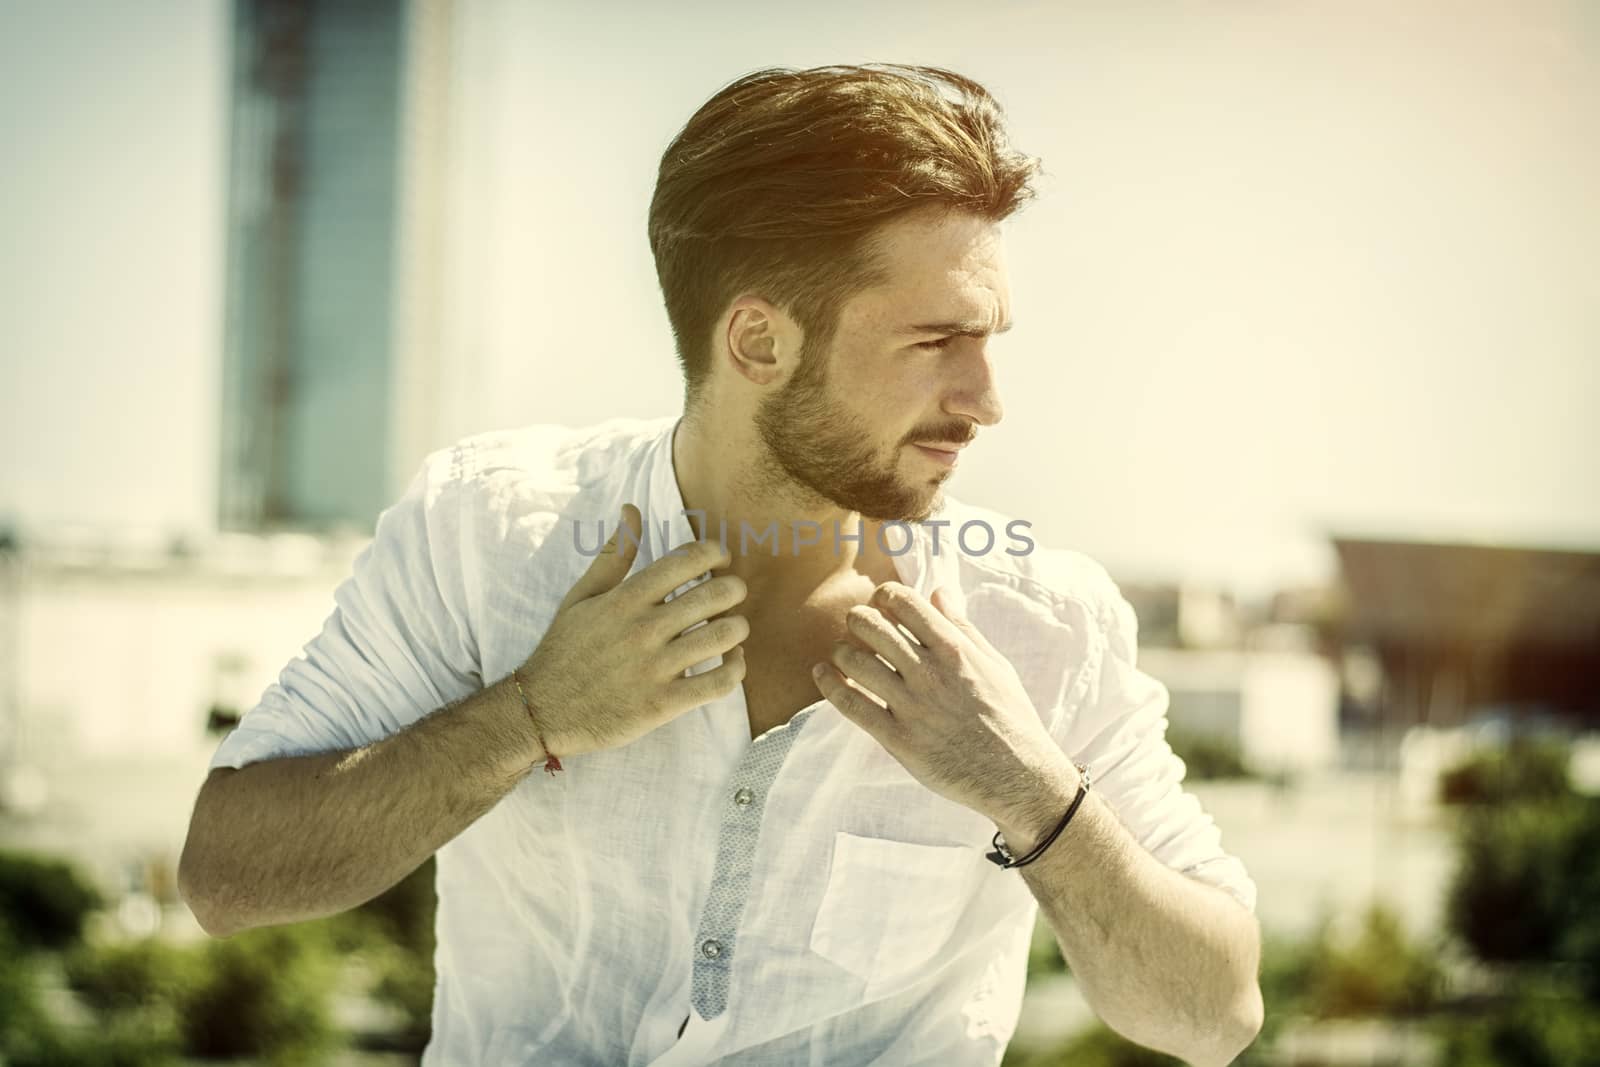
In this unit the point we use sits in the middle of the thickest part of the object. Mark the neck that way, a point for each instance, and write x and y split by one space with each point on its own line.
723 479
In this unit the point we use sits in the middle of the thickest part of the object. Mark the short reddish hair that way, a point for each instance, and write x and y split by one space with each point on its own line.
777 183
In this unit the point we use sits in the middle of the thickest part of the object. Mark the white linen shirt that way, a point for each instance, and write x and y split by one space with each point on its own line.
798 899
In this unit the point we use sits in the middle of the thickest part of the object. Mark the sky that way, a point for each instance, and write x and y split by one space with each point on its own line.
111 261
1295 268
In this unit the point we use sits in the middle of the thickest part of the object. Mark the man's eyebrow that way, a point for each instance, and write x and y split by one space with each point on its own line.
964 328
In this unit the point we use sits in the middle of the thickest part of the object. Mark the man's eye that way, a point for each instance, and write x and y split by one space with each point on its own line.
940 343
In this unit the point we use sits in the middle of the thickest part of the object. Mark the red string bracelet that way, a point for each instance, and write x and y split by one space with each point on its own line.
551 764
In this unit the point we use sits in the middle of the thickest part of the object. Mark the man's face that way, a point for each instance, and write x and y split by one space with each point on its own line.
849 423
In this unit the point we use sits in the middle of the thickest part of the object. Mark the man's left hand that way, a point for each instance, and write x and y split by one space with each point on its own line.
947 705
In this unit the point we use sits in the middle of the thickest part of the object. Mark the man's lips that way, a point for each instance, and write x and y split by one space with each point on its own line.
946 454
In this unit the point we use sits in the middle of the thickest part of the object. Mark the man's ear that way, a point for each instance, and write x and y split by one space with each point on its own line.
761 342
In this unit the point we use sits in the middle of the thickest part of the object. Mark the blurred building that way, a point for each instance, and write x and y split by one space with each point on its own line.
1277 707
126 662
129 651
330 370
1461 630
1256 680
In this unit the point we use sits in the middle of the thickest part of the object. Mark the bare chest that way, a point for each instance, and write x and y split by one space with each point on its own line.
778 661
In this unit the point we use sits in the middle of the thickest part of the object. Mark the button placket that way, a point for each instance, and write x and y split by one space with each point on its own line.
738 836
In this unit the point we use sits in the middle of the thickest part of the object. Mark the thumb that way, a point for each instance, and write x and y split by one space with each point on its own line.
946 603
613 561
949 605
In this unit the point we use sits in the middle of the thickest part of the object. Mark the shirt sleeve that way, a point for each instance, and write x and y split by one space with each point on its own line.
1119 733
397 646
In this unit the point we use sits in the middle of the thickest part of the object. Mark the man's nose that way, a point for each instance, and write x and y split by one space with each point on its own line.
976 395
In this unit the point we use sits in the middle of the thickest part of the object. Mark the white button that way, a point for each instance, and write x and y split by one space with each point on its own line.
742 797
712 948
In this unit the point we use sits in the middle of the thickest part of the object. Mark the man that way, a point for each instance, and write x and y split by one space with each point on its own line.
777 767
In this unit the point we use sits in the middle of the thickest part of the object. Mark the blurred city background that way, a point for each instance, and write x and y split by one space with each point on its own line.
1307 351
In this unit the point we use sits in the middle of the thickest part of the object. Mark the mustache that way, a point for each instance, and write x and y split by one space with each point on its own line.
956 434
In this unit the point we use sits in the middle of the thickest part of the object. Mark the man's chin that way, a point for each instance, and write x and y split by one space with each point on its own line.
918 510
927 511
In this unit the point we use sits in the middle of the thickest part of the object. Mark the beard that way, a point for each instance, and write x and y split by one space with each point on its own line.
817 449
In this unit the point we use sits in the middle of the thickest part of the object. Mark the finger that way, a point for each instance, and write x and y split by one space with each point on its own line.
704 601
851 702
683 564
870 674
950 607
702 643
681 694
874 630
612 563
904 605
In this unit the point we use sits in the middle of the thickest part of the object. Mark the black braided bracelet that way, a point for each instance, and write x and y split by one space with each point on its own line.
1002 857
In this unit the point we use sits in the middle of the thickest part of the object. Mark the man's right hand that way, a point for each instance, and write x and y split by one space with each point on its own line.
610 667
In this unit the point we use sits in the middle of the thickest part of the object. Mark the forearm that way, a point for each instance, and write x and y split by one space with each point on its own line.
1166 961
302 837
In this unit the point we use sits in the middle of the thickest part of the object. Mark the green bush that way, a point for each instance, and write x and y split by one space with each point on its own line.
395 930
1288 967
1540 1027
1380 973
265 993
262 993
1208 757
139 976
1099 1046
1044 951
122 1042
405 912
21 1013
1528 884
29 1038
1578 943
44 901
1526 770
406 983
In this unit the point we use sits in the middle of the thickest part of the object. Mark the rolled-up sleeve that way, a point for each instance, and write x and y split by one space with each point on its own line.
398 644
1119 732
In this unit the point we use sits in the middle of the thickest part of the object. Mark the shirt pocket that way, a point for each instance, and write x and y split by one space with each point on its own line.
890 906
